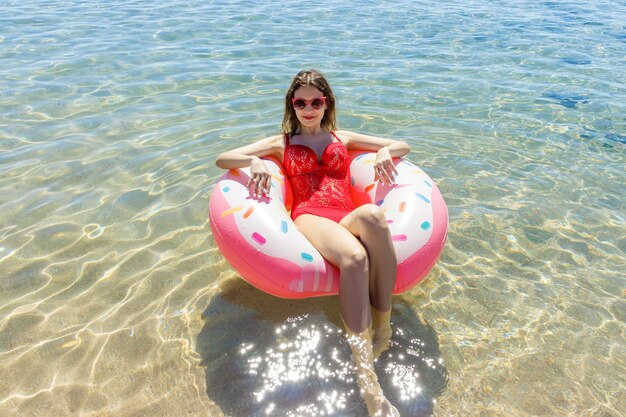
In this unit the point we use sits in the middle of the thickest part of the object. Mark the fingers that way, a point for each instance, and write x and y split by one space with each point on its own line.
386 172
259 184
266 185
384 167
260 179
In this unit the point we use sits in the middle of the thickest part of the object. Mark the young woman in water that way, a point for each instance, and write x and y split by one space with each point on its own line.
356 240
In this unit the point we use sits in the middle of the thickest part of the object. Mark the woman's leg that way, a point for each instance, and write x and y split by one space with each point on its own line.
369 224
341 248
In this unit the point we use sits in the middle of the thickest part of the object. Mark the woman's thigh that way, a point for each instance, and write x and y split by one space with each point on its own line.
334 242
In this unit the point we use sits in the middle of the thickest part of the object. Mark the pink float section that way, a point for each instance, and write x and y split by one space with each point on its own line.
261 242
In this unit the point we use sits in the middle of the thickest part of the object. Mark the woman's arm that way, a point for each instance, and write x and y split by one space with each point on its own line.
386 150
359 141
250 155
244 156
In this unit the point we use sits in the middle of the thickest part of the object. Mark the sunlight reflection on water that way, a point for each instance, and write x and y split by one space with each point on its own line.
290 358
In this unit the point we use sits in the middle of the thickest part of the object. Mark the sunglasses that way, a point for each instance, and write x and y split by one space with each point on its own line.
300 103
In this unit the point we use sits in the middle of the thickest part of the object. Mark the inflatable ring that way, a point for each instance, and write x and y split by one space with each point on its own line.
259 239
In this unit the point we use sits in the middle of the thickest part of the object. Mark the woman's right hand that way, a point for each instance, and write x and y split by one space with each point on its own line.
260 178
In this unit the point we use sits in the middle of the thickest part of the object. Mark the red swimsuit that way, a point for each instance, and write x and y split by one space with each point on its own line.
319 188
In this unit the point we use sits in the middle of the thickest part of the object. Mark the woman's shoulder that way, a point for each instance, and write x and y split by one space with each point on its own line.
274 141
269 145
344 135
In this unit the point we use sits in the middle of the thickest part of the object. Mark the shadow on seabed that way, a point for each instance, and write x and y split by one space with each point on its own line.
266 356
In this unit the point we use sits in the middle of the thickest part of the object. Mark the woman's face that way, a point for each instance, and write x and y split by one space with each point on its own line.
309 116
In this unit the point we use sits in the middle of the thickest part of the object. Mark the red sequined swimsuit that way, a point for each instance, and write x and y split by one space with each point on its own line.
319 188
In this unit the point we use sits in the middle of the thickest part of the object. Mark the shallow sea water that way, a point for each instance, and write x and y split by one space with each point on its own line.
114 295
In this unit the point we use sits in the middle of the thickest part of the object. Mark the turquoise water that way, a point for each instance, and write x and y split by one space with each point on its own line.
111 114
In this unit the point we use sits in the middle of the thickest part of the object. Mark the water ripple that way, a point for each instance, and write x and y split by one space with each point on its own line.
111 116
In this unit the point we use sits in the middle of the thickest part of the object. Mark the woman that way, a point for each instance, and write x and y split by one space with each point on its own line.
356 240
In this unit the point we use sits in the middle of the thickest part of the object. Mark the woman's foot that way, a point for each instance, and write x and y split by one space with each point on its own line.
377 404
371 391
381 321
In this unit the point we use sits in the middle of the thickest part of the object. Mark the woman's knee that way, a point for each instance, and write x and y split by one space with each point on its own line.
373 216
354 259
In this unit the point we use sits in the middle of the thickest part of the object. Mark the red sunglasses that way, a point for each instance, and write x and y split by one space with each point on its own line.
300 103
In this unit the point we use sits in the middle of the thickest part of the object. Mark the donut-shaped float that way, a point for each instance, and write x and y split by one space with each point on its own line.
259 239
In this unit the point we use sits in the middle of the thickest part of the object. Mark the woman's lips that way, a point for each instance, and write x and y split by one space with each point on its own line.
308 117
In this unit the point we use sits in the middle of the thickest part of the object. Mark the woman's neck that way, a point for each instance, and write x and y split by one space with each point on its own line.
310 131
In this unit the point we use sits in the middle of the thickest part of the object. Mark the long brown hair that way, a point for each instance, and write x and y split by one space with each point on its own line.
315 79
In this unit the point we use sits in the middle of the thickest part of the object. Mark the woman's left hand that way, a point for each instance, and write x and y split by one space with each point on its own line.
384 169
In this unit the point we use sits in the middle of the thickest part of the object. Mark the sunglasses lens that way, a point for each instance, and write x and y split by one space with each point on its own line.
317 104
